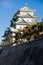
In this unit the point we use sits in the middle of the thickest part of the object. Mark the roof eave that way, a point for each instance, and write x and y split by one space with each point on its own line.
27 10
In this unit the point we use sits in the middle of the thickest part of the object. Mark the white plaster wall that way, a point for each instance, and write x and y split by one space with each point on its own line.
31 13
24 13
20 26
28 19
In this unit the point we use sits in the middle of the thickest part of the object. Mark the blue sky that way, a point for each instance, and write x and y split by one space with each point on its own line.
9 7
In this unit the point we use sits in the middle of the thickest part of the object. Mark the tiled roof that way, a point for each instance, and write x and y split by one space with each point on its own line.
26 8
25 22
27 16
12 29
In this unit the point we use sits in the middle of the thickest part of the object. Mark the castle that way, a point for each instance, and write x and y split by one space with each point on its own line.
23 17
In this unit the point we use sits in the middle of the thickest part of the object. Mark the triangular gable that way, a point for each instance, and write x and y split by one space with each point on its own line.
21 22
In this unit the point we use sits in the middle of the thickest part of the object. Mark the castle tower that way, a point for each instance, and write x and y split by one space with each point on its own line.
24 17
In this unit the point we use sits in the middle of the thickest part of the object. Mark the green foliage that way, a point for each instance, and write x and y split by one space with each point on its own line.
31 30
28 33
2 45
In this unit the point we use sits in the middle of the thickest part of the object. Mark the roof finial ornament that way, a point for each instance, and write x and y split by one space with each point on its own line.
26 4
